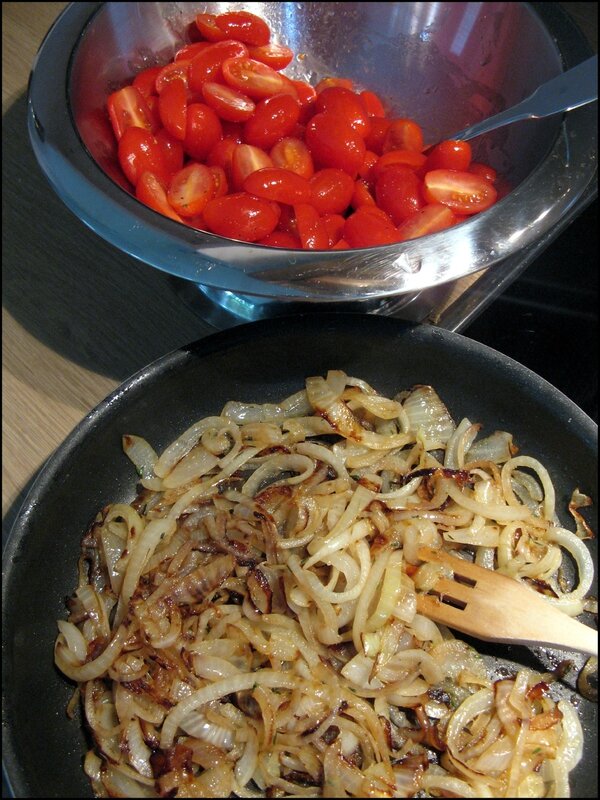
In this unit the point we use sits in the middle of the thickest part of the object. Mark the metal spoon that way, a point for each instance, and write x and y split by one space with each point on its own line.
571 89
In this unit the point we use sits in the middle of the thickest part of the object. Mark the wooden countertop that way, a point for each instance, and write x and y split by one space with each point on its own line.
79 317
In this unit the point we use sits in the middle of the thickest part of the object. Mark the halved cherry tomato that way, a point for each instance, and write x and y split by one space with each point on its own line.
274 118
431 218
484 171
207 65
276 56
333 143
372 104
409 158
291 153
190 189
345 105
463 192
282 239
188 51
277 184
229 104
241 216
152 103
172 107
245 26
128 109
172 150
175 71
252 77
139 152
151 192
245 160
331 190
403 134
365 229
207 26
311 230
145 81
398 192
220 182
449 154
203 131
221 155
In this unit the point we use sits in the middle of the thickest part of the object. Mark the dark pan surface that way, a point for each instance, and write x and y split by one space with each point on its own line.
260 362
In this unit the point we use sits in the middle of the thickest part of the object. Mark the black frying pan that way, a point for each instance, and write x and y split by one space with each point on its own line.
263 361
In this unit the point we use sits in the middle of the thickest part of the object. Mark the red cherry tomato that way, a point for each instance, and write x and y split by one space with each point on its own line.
208 64
277 184
172 150
431 218
221 155
220 182
331 190
254 78
333 143
376 136
291 153
188 51
334 225
152 103
139 152
372 104
361 195
229 104
244 26
128 109
484 171
329 82
208 28
307 98
365 229
276 56
463 192
241 216
172 107
403 134
366 168
282 239
203 131
409 158
175 71
398 192
345 105
274 118
190 189
311 230
245 160
145 81
151 192
450 154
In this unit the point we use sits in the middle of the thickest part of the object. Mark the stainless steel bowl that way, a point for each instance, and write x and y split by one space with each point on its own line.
444 64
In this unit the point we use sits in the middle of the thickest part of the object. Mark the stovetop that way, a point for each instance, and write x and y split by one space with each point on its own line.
547 319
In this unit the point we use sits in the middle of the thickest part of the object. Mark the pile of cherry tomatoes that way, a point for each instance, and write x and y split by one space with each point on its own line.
220 139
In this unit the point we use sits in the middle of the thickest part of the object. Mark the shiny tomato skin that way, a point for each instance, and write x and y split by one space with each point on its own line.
139 152
127 108
463 192
245 160
189 51
403 134
334 225
203 131
311 230
208 28
151 192
377 133
372 104
398 192
207 65
190 189
331 190
292 153
365 229
241 216
172 107
449 154
276 56
409 158
245 26
307 97
346 105
484 171
221 155
430 219
279 185
274 118
333 143
172 150
361 195
145 81
230 105
282 239
254 78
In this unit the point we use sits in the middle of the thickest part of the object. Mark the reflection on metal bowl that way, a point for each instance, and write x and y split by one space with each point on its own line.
444 64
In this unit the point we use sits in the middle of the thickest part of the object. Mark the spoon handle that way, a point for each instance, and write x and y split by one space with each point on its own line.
571 89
